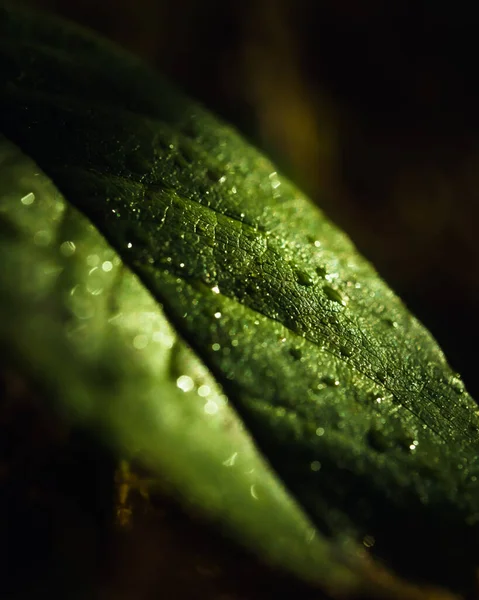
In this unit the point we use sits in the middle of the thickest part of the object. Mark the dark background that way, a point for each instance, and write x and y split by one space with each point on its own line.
371 107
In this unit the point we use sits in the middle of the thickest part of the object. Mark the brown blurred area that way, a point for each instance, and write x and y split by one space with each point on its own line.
371 107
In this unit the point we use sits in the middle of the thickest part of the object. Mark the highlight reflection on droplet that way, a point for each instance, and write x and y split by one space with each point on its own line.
67 248
204 390
229 462
211 408
28 199
185 383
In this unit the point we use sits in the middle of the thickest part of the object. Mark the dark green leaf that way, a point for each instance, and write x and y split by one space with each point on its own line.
345 393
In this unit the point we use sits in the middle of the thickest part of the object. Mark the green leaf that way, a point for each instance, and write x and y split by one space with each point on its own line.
82 326
346 395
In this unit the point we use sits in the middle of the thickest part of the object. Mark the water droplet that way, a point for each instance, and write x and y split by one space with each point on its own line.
315 465
457 385
217 315
185 383
413 445
215 347
67 248
321 271
254 492
229 462
369 541
303 277
107 266
296 353
28 199
215 289
275 182
320 431
42 238
330 381
93 260
391 322
210 408
204 390
333 295
129 245
381 375
140 342
317 243
346 350
378 440
405 440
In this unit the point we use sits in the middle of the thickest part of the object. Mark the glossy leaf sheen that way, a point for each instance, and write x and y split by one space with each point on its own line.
347 395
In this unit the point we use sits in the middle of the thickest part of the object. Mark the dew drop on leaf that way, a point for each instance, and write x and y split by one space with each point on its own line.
42 238
321 271
304 278
204 391
381 375
333 295
230 462
346 350
330 381
390 322
457 385
296 353
211 408
67 248
28 199
185 383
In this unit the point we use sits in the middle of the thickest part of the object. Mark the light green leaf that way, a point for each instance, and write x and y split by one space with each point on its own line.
347 396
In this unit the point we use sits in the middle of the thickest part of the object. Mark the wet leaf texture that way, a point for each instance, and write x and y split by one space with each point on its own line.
346 394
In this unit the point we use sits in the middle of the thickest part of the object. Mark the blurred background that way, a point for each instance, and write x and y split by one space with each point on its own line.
371 108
